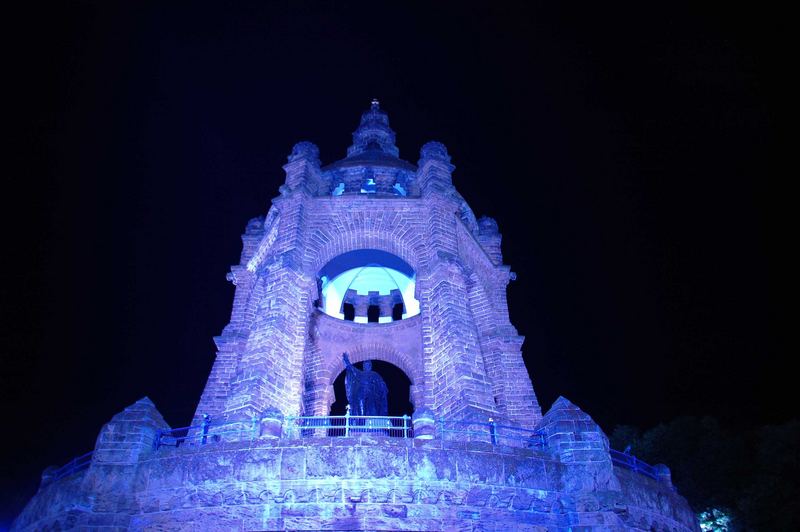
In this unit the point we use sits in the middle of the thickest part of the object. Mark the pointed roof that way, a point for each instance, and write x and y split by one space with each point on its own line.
373 133
373 143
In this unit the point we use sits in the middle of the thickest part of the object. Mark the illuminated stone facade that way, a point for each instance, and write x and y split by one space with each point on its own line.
462 355
385 260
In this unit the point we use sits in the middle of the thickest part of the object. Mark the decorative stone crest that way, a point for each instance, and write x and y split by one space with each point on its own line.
434 150
305 150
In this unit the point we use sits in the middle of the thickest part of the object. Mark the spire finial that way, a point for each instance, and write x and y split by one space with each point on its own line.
375 103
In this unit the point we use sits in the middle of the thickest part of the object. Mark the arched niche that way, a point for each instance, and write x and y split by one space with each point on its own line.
337 235
367 286
398 383
333 365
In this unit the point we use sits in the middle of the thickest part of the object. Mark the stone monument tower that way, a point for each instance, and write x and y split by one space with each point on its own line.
381 259
370 231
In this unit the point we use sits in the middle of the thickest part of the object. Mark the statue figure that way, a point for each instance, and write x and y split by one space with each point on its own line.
366 391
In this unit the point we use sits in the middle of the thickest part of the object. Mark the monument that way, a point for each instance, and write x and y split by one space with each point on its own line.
366 391
381 259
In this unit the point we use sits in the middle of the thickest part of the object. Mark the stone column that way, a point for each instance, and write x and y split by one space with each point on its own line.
384 182
385 304
361 305
454 365
451 346
269 372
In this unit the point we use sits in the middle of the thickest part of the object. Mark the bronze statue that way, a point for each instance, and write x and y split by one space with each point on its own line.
365 389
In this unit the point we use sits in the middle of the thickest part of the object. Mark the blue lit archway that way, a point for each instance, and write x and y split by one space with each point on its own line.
368 285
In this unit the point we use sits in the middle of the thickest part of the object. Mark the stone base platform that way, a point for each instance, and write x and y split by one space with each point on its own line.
364 483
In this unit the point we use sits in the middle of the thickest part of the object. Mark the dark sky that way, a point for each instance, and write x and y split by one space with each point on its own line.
626 153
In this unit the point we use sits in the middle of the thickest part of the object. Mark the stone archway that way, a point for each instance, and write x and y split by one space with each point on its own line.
378 286
335 233
376 352
398 383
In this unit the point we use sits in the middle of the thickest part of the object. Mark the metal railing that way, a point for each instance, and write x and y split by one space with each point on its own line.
79 463
347 425
628 461
207 432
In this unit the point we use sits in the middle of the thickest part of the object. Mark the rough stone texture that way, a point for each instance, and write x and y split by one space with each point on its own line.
369 482
280 351
279 356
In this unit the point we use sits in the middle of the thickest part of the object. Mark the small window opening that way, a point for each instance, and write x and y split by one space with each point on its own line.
373 313
349 311
369 186
397 312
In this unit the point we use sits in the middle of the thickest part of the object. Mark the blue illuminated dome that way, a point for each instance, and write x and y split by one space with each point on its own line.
367 278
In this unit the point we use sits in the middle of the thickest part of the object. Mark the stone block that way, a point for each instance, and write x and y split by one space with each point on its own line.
381 463
163 473
258 465
330 462
530 473
293 463
322 523
479 467
209 466
431 466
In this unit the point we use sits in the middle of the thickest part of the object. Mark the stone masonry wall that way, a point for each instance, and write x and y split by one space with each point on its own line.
371 482
365 483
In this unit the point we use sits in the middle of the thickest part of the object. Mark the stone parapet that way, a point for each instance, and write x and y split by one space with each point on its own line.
370 483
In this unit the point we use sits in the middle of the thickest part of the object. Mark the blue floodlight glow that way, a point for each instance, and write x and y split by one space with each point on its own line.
365 271
369 187
714 519
338 190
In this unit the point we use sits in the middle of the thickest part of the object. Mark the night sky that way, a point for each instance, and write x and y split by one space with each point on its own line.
627 155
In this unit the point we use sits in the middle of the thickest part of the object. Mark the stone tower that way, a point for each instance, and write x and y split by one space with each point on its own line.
370 231
385 260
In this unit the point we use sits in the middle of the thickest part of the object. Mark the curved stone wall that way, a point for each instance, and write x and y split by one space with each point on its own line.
369 482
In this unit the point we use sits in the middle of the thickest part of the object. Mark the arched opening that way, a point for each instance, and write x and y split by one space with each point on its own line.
397 382
373 314
368 286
